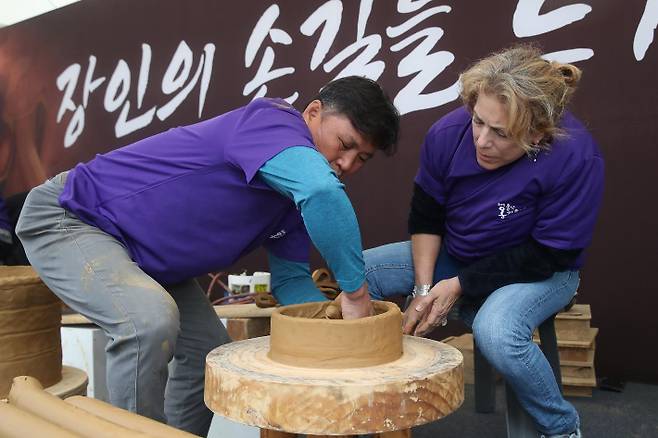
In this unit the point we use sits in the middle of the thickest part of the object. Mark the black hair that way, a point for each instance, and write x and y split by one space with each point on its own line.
367 106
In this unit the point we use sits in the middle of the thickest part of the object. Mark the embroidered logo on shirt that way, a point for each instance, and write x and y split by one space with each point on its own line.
505 209
278 235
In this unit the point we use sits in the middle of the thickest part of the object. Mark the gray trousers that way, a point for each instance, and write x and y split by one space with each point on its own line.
147 324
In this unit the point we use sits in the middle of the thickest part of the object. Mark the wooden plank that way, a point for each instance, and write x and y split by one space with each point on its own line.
572 329
246 328
576 391
577 381
578 372
243 311
225 311
74 319
587 341
577 312
577 356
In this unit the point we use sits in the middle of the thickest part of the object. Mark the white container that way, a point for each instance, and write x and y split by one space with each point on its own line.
260 282
239 284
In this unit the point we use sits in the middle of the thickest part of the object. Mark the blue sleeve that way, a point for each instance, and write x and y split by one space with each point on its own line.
292 282
304 175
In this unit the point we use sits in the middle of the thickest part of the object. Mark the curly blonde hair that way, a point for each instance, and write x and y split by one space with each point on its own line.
534 91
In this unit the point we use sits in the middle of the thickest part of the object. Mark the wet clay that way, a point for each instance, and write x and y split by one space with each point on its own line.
303 336
30 318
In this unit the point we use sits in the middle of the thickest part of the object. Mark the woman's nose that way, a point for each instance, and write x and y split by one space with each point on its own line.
483 138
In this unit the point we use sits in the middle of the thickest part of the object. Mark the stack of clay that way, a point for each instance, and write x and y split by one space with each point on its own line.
576 345
30 317
31 411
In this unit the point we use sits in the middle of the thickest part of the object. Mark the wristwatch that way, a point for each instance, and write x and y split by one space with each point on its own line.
421 290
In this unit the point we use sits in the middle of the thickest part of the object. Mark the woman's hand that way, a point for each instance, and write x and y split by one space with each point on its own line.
428 312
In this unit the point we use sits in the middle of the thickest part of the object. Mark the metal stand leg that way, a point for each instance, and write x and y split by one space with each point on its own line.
485 383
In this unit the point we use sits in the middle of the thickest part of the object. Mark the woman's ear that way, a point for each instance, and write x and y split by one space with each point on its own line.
536 138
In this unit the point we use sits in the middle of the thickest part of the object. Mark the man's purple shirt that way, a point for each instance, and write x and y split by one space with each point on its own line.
185 202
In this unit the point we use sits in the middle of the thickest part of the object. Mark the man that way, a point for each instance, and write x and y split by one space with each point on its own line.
120 238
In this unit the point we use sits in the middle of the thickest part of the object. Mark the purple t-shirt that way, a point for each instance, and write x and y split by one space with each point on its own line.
554 200
185 202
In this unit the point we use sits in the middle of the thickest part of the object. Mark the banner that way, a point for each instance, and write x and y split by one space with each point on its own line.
97 75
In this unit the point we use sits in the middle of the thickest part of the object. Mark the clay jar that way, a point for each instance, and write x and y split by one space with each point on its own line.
301 336
30 317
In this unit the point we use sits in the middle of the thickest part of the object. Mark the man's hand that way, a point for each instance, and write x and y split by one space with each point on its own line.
356 304
432 310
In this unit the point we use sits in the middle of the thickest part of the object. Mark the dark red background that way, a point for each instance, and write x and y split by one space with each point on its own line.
617 100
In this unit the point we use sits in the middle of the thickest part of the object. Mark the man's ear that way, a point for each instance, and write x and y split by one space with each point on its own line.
312 110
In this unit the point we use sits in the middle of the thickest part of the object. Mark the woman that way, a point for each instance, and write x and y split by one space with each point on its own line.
504 205
121 238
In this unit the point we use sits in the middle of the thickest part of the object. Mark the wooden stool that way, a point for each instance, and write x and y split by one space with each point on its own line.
243 384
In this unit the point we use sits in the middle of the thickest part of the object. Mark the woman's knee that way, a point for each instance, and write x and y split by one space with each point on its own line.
500 335
389 269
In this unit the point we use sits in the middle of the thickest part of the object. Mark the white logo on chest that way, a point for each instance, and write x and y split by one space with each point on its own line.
278 235
505 209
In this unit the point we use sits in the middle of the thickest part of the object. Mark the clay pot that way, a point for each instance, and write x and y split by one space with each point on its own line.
30 319
301 336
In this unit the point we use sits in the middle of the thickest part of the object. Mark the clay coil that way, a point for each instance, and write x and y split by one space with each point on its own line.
125 418
16 423
27 394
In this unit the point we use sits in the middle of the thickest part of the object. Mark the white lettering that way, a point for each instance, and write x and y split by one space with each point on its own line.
645 29
528 22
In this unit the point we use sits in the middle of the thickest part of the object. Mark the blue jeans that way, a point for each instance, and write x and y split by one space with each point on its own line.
502 325
147 323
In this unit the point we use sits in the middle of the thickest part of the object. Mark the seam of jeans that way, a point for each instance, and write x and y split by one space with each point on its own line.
538 303
388 266
117 306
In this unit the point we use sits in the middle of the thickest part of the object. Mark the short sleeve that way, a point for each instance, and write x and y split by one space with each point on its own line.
567 214
437 152
266 127
434 162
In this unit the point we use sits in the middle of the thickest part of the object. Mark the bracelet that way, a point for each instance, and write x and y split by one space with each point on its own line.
421 290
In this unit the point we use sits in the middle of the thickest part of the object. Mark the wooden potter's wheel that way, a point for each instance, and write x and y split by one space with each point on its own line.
422 383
